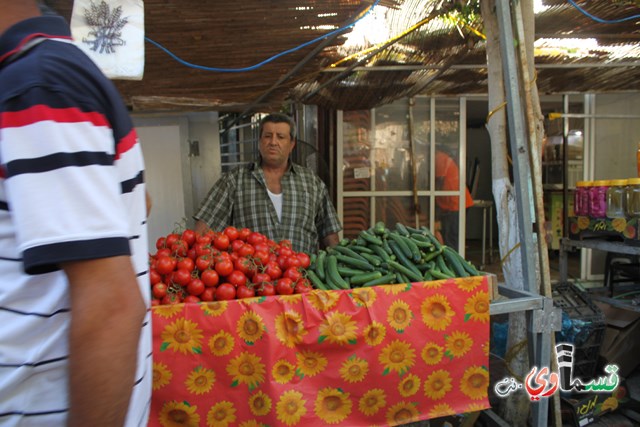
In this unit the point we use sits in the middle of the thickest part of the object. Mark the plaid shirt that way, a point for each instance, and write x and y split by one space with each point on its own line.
240 198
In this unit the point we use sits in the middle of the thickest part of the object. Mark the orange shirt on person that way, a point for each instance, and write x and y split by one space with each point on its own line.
447 169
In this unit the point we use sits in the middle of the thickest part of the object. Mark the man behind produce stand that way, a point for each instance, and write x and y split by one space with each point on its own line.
273 195
75 342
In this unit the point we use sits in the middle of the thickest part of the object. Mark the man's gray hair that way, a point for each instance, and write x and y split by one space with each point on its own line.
279 118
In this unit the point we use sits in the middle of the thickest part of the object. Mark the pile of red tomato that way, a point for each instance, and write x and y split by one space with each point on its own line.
233 263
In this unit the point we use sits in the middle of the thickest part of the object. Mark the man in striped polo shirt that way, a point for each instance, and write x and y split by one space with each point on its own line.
75 341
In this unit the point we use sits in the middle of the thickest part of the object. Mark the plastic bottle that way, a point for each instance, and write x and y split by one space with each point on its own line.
616 198
581 198
598 199
633 197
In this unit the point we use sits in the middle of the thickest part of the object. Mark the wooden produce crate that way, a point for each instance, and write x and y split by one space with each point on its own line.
382 355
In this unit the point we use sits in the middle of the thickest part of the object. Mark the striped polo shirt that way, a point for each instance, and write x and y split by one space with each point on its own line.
71 188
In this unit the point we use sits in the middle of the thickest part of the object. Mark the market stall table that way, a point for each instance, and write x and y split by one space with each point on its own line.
383 355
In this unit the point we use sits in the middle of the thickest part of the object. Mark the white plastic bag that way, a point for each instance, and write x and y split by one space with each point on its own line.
111 32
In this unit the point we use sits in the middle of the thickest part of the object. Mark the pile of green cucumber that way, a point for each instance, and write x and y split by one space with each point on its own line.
381 256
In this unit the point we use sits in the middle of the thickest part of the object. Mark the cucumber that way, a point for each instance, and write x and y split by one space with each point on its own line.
370 238
361 249
413 276
332 272
402 260
315 281
379 250
401 229
320 266
437 274
416 255
354 262
372 259
380 228
348 252
349 272
453 261
387 279
443 267
366 277
399 240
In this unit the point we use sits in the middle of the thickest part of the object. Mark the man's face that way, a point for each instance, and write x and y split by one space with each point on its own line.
276 144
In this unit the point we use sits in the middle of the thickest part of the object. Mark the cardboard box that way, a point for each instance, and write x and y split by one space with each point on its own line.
584 409
621 343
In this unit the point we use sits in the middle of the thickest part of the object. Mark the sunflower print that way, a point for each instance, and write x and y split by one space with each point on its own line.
246 368
323 300
474 382
214 308
374 333
432 353
395 289
475 407
402 413
250 327
441 410
364 297
332 405
436 312
437 384
398 356
222 414
290 329
409 385
200 380
251 423
469 284
182 336
583 222
167 310
311 363
399 315
260 404
283 371
477 308
338 328
434 284
179 414
221 343
161 375
458 344
354 369
290 407
372 401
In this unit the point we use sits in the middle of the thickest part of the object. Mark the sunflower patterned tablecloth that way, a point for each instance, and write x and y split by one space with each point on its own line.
384 355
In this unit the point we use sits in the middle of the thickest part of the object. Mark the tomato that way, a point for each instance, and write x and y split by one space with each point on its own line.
180 248
155 302
246 250
305 260
231 232
171 299
195 287
181 277
284 286
203 262
302 286
266 289
191 253
262 246
159 290
154 276
205 240
282 262
171 239
221 241
236 245
161 243
284 251
244 291
224 267
293 273
245 265
261 257
209 277
166 264
243 233
191 299
226 291
260 278
186 263
209 294
255 237
189 236
273 270
285 243
163 252
202 248
292 261
237 278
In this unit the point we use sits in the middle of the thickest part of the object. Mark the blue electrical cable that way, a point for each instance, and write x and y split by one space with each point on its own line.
266 61
602 21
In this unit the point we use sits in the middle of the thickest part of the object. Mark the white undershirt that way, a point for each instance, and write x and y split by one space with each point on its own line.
276 199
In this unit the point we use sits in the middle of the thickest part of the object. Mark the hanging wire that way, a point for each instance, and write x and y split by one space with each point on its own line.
266 61
600 20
